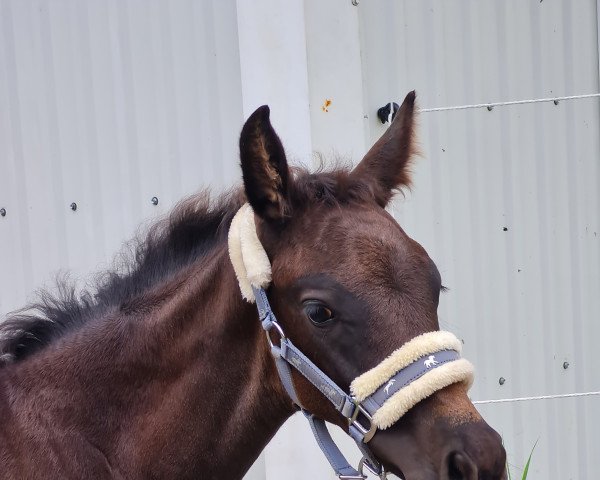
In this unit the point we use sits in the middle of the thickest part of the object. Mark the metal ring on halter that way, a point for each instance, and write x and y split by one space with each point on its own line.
279 331
367 433
364 463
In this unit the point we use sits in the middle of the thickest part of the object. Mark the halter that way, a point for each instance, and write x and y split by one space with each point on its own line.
380 396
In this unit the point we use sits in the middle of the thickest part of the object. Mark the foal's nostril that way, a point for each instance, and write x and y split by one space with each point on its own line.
460 467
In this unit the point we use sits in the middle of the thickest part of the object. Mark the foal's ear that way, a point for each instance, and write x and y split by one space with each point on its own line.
264 166
385 166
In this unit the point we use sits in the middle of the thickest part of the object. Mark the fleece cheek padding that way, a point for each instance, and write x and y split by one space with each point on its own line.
235 255
425 344
403 400
248 257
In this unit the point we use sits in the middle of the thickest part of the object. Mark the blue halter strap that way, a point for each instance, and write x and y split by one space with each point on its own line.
358 414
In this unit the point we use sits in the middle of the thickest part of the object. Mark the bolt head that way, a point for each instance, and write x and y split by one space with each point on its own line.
490 108
502 380
3 212
566 365
154 200
73 206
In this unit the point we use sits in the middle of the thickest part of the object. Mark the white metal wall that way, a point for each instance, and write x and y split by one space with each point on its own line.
110 103
107 104
524 299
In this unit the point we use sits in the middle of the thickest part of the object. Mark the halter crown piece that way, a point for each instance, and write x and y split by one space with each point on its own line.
379 397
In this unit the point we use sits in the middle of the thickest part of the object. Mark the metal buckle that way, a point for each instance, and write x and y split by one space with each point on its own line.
279 331
382 474
366 433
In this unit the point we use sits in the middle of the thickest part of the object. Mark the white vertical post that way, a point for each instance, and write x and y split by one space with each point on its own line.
273 62
340 126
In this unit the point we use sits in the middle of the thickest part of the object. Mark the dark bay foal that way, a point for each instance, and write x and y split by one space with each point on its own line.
164 371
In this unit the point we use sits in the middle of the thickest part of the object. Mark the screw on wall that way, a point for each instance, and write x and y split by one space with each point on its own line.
73 206
2 212
355 3
154 200
502 380
490 108
566 365
555 102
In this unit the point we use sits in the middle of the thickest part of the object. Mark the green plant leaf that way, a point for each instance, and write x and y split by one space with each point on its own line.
526 470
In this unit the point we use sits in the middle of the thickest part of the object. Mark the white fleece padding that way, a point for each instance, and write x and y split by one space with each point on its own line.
248 257
235 255
425 344
403 400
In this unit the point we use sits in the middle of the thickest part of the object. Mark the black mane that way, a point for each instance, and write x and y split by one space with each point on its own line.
191 230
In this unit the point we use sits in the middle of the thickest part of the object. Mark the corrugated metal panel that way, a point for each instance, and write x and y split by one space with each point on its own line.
507 201
107 104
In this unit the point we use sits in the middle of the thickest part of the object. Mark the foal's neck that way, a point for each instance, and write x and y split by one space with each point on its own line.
221 402
181 386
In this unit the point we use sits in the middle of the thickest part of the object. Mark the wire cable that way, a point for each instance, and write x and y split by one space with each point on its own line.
511 102
539 397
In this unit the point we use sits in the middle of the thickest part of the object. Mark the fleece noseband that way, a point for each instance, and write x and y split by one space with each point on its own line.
379 397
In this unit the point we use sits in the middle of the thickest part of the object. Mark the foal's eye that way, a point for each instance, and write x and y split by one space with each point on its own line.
318 313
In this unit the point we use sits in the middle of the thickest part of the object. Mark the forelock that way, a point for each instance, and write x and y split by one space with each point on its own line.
329 188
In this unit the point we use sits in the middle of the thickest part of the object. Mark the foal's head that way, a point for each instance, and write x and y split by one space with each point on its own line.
350 286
